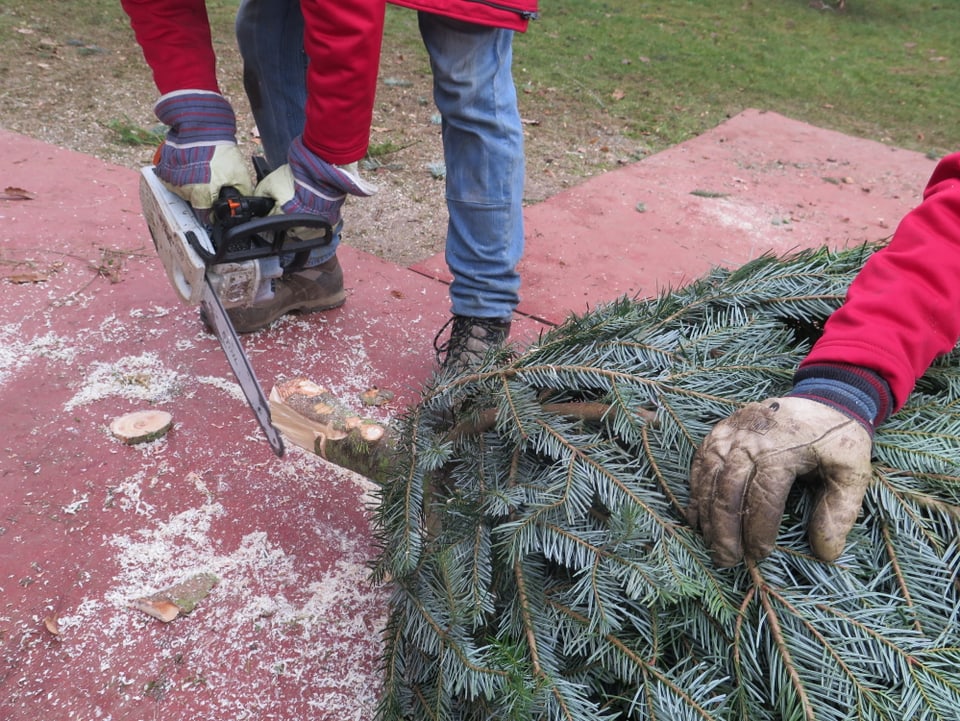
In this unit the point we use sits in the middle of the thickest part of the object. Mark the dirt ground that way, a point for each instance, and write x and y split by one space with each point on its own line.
77 87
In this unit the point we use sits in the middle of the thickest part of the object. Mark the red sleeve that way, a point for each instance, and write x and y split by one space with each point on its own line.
342 41
903 308
175 38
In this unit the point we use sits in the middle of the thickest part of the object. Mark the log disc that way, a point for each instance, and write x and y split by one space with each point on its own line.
141 426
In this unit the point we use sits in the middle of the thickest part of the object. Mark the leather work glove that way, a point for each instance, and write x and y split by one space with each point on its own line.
309 184
200 154
743 471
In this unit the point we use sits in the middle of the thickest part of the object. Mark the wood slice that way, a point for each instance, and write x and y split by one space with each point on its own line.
141 426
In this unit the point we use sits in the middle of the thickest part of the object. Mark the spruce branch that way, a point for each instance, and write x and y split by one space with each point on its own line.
781 642
537 521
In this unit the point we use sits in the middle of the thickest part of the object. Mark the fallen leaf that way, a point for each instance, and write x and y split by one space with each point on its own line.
13 193
32 277
52 624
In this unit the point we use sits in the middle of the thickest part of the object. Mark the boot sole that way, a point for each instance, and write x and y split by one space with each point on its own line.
298 308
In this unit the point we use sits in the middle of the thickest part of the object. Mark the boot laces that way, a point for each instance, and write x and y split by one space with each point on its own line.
470 340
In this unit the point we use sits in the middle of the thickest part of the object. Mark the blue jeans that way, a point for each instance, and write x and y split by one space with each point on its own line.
481 130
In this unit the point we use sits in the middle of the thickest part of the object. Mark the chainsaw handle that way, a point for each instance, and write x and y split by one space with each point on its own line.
232 248
278 223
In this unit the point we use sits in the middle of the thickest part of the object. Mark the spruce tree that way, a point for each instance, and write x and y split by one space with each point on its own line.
534 535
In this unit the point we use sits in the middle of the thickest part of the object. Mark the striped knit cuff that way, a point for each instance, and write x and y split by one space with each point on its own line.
857 392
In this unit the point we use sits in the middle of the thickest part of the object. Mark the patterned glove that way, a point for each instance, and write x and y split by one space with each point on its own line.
200 154
308 184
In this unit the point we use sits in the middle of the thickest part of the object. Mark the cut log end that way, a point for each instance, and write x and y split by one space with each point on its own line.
141 426
311 417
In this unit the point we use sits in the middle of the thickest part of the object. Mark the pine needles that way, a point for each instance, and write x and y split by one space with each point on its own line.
542 567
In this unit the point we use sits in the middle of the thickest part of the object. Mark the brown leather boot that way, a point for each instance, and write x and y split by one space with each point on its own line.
470 340
305 291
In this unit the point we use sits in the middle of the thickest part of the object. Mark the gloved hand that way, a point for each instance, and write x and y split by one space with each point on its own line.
200 154
309 184
743 471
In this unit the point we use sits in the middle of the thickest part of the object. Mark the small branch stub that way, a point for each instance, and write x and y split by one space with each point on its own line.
177 600
141 426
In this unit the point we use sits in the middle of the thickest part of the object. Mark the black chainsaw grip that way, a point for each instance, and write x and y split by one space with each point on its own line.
279 224
242 229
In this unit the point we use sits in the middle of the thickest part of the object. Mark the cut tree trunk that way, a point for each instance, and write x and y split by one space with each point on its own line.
311 417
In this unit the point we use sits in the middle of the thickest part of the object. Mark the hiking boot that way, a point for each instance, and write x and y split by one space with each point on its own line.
305 291
470 340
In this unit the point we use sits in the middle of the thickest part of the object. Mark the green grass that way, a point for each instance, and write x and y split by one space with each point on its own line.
127 132
659 71
881 69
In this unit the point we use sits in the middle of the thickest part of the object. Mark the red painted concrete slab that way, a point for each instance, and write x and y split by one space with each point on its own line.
757 183
90 330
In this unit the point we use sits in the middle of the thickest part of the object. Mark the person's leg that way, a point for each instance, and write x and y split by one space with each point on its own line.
483 149
270 38
342 39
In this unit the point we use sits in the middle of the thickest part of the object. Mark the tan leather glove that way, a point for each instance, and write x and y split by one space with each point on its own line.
743 471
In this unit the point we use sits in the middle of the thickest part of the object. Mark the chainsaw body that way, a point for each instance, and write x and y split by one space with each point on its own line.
241 247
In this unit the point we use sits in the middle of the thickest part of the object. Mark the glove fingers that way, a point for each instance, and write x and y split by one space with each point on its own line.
836 510
765 500
198 174
717 481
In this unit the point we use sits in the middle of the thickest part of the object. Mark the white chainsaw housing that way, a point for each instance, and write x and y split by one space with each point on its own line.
171 222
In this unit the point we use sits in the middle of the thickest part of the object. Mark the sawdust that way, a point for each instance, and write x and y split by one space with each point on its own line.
138 378
229 387
16 353
283 622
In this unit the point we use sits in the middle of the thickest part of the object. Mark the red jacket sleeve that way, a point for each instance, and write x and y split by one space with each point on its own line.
903 308
510 14
175 38
342 39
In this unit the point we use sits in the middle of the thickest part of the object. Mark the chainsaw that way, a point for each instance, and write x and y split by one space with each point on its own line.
223 264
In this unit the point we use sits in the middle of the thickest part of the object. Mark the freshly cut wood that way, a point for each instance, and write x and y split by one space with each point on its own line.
141 426
375 396
179 599
311 417
159 608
